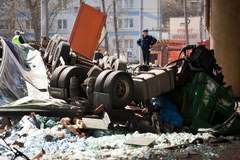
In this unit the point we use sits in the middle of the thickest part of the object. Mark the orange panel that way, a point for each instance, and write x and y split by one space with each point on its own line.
172 56
87 30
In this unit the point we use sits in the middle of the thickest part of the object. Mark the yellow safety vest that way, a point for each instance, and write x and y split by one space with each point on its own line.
15 39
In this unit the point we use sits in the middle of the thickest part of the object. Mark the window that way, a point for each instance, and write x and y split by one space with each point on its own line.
2 24
12 24
128 43
75 9
7 24
28 24
120 23
62 4
62 24
119 4
130 2
125 23
120 44
130 23
125 4
124 44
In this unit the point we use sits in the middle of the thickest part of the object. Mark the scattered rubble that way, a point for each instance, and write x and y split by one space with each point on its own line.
58 142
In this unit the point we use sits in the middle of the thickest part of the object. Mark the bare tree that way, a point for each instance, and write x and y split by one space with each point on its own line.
8 21
34 7
29 11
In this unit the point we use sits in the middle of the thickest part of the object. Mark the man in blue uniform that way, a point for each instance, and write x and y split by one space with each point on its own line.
146 42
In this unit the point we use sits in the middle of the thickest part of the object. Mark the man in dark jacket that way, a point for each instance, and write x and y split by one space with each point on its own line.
146 43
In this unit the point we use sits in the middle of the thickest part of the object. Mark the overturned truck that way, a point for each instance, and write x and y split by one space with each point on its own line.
194 82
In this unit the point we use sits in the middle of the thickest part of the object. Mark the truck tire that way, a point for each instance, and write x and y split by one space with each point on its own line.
90 82
62 50
55 76
75 89
98 87
94 71
103 61
108 64
119 65
54 47
119 86
67 74
49 48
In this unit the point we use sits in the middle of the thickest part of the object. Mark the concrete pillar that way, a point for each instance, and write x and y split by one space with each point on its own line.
225 39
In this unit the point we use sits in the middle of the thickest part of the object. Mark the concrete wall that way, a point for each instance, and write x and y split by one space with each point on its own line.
225 39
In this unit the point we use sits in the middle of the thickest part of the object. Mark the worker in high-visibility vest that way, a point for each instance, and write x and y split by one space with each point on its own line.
17 39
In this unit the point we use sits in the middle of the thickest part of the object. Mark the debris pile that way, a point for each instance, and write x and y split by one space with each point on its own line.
57 142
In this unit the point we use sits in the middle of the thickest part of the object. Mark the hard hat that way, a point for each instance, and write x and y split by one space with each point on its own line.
145 30
17 32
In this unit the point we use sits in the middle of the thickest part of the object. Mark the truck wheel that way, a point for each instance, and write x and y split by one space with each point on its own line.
54 47
98 87
75 89
49 48
108 64
62 50
67 74
94 71
55 76
119 65
119 86
89 88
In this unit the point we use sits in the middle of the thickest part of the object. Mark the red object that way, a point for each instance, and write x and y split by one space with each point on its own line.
87 30
167 50
99 109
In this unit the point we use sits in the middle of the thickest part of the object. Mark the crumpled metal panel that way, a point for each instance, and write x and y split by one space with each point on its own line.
202 94
209 103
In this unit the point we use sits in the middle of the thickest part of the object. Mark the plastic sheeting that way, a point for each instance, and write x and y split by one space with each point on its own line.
168 111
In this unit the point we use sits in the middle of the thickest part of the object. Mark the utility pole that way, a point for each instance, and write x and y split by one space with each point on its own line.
159 18
186 22
141 17
44 18
140 27
105 25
